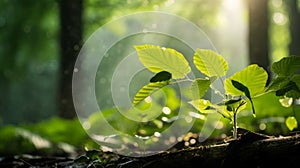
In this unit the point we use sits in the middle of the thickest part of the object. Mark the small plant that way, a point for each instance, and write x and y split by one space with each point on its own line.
286 84
171 67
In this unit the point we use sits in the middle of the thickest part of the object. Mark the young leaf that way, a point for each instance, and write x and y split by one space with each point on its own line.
291 123
232 101
286 66
230 104
253 77
199 87
245 90
210 63
235 105
205 106
158 59
161 76
241 87
147 90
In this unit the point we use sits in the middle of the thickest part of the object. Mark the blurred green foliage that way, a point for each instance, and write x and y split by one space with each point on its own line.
29 51
51 137
67 137
28 56
279 29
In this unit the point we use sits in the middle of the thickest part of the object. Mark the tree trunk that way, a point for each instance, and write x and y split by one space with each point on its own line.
71 41
259 33
294 17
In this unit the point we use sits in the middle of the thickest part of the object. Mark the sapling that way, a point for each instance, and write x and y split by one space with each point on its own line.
171 67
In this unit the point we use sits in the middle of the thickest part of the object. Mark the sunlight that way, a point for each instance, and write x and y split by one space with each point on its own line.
279 18
277 3
233 5
166 110
231 39
169 2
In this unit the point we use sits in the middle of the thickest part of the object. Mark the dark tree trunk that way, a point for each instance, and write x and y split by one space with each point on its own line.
294 17
259 33
71 41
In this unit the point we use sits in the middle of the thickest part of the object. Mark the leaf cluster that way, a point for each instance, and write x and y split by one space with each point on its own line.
287 80
286 84
241 88
170 65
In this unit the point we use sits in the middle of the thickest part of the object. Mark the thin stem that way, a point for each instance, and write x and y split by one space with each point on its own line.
188 78
234 125
184 80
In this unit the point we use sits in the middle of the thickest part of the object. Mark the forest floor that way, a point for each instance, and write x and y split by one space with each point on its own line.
249 150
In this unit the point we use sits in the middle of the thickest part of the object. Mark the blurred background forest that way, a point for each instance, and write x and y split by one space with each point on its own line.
41 39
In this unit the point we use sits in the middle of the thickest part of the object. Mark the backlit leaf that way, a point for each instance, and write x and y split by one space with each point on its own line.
147 90
253 77
203 106
291 123
210 63
158 59
199 87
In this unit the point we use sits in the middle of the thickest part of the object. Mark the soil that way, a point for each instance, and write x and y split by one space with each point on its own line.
249 150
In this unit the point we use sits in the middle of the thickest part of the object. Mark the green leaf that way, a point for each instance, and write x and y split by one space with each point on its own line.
286 86
161 76
232 101
245 90
147 90
229 108
199 87
289 90
235 105
202 105
296 79
295 94
210 63
253 77
291 123
241 87
286 66
277 83
158 59
205 106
